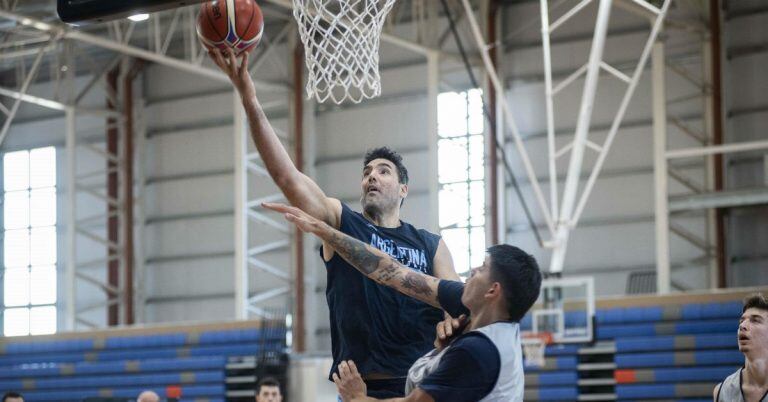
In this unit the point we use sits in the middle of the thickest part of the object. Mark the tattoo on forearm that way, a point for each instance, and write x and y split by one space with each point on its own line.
381 268
355 252
387 273
416 283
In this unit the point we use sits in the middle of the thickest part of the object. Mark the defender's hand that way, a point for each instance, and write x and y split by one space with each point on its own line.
449 329
237 72
304 221
348 381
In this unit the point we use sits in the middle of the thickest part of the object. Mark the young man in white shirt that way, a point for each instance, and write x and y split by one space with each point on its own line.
484 362
749 383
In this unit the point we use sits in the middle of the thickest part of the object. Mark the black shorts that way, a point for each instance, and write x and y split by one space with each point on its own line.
389 388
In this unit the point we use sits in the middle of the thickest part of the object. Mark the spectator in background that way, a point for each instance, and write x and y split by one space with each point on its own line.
148 396
268 390
12 397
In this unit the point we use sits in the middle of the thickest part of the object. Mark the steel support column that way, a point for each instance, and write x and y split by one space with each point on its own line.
113 213
140 296
549 100
299 317
492 136
663 279
130 72
433 90
240 216
717 136
580 137
712 234
71 240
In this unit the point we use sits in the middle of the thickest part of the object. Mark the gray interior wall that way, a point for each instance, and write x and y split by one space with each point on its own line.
746 104
189 237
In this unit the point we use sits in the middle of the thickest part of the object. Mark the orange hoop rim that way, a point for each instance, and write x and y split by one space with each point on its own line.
544 337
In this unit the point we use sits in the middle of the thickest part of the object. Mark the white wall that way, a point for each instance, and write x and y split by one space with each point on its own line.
189 239
746 100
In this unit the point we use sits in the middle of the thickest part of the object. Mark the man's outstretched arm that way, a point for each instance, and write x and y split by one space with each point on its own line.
299 189
372 262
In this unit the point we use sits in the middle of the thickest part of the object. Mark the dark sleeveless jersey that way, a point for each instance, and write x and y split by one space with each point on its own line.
380 329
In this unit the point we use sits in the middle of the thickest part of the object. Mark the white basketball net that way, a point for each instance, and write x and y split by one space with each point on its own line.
533 351
341 47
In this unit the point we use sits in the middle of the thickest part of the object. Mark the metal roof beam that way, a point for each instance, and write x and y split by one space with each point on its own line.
134 51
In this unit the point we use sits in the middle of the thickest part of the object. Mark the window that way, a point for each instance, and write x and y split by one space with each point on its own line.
29 242
461 174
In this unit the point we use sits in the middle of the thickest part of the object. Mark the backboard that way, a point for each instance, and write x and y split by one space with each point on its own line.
81 12
566 309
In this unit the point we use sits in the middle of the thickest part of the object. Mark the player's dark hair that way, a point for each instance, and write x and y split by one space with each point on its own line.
11 395
390 155
267 382
519 276
757 301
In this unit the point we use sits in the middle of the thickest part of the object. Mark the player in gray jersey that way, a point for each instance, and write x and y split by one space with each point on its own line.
484 360
749 383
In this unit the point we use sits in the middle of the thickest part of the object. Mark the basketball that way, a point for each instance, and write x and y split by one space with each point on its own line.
230 24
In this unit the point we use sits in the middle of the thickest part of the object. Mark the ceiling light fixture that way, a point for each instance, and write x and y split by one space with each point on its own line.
139 17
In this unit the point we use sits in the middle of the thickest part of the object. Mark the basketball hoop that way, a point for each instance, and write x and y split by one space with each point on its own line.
534 346
341 47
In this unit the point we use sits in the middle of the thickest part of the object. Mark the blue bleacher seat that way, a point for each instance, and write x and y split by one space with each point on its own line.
124 365
560 363
558 394
667 359
712 310
628 315
545 378
198 391
146 341
672 400
143 353
122 380
605 332
645 391
69 345
693 374
666 342
679 390
669 352
179 339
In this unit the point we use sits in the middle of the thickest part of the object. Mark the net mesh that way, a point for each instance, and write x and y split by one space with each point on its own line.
534 347
533 351
341 47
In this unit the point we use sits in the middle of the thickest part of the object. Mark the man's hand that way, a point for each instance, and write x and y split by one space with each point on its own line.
237 73
304 221
448 329
349 383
